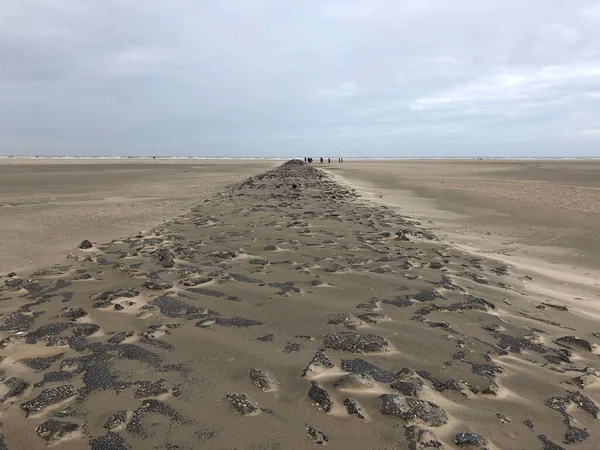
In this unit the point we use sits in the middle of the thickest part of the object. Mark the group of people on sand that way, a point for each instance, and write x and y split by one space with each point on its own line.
310 160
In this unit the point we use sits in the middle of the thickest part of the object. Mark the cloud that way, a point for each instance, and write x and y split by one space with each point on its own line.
353 77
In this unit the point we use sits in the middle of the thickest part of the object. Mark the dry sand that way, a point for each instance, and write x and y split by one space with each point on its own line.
48 206
292 311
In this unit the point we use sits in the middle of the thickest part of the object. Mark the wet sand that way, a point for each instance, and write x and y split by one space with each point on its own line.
298 309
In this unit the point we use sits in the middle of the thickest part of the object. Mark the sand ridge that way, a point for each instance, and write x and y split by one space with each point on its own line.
287 312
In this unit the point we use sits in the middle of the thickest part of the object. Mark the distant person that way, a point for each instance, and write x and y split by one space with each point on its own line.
328 160
305 159
321 160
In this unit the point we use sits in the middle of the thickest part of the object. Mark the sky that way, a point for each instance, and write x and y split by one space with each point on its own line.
380 78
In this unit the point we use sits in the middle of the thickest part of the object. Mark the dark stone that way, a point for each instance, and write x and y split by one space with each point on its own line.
345 319
408 388
411 410
320 397
16 386
85 329
207 292
319 437
53 430
575 435
195 281
400 302
448 385
285 287
257 261
500 270
517 345
41 363
176 309
152 406
373 317
262 379
82 276
572 341
292 347
13 284
73 313
150 389
244 278
426 295
547 444
488 370
17 321
165 258
47 331
113 294
471 439
156 283
354 408
421 439
363 367
266 338
49 397
120 337
353 342
85 245
585 403
110 441
116 420
237 322
354 381
242 404
558 307
55 377
318 364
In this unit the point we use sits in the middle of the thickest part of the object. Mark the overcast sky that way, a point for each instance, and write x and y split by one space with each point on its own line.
287 77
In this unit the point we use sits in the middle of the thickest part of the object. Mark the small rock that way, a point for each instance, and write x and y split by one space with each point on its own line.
354 408
320 397
547 444
421 439
353 342
116 420
413 410
572 341
471 439
319 437
348 320
85 245
73 313
53 430
408 388
243 404
15 386
263 380
354 381
319 364
156 283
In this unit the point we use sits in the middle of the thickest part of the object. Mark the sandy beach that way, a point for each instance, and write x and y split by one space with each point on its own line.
48 206
370 305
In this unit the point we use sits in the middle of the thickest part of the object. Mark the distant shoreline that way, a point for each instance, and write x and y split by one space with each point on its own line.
285 158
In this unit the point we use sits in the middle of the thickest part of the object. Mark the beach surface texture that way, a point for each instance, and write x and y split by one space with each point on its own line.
296 309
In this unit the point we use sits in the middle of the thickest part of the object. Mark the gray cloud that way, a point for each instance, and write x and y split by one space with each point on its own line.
351 77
